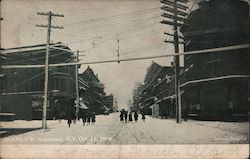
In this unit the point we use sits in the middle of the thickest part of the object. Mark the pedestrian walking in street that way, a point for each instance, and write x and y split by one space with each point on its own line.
130 119
88 118
185 113
121 117
61 115
74 117
93 118
136 116
78 115
69 120
84 118
143 117
126 116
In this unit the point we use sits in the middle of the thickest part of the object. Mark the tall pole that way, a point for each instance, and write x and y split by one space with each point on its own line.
175 16
118 51
45 99
46 80
77 87
177 67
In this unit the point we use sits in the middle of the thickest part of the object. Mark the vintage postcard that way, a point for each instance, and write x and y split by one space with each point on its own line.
124 79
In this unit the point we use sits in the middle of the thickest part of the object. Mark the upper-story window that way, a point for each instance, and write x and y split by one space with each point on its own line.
211 67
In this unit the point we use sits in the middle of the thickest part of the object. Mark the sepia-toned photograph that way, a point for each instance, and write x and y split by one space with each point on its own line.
124 79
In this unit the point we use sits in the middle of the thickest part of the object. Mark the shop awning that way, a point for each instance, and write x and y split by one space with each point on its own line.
104 106
2 75
82 106
166 98
83 88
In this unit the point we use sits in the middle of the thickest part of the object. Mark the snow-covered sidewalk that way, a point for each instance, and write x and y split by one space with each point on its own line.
109 130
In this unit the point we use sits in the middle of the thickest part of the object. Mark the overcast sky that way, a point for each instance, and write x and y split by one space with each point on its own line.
94 26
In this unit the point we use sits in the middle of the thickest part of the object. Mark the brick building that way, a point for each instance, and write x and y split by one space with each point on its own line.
23 89
216 84
92 93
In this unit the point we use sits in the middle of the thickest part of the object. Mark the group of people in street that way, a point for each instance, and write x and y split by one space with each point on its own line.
88 117
126 116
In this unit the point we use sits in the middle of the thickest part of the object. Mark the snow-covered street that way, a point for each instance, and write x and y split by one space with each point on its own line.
109 130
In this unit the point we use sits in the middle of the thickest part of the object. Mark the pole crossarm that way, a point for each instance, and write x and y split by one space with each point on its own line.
172 23
172 17
179 6
181 37
171 10
205 51
50 13
173 42
46 26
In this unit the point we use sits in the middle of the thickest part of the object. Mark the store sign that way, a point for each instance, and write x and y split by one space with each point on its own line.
198 106
37 103
230 105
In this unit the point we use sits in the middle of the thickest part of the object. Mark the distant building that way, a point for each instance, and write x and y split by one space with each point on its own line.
216 84
92 92
24 87
149 94
165 105
137 95
108 101
2 77
115 105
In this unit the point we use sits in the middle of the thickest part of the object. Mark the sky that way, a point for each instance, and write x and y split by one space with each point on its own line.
93 27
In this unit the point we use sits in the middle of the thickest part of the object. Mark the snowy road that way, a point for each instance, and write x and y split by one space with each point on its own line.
109 130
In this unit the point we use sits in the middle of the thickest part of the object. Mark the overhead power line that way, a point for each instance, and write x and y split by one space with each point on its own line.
35 76
196 52
112 16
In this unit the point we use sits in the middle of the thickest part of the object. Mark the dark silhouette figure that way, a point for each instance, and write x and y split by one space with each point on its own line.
78 115
126 116
88 118
69 120
130 117
185 114
121 117
143 117
136 116
93 118
84 118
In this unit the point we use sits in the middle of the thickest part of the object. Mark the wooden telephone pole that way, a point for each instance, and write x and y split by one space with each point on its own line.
77 85
175 14
49 26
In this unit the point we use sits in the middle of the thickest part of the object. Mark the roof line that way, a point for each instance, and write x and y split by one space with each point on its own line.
214 79
28 48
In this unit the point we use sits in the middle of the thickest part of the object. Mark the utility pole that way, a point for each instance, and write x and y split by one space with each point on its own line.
49 26
175 15
77 87
118 51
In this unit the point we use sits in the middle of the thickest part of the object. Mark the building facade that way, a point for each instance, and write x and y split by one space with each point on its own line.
216 84
151 95
92 93
24 87
138 88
